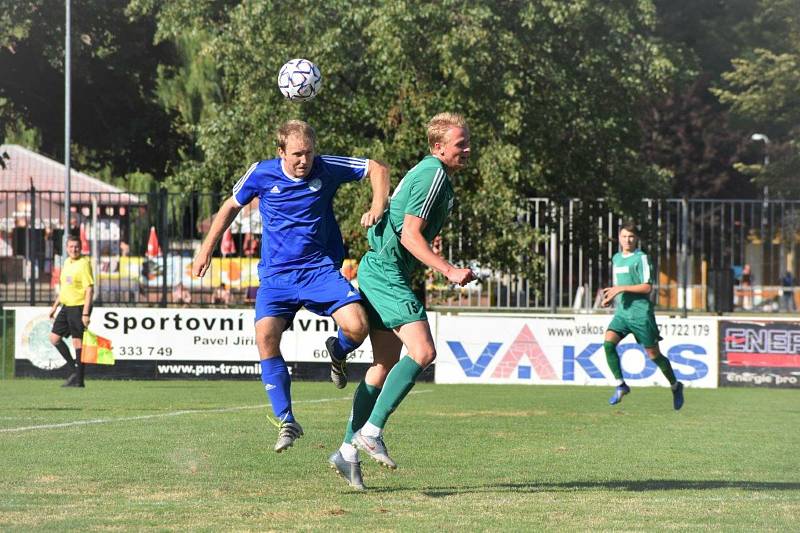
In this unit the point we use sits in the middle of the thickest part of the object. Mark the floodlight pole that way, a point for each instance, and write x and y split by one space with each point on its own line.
684 255
760 137
67 133
765 139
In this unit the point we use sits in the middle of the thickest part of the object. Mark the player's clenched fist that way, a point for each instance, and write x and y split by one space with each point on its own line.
460 276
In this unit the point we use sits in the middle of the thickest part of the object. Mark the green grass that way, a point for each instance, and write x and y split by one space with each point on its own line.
470 458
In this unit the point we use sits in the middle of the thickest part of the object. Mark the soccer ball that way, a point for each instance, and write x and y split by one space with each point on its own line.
299 80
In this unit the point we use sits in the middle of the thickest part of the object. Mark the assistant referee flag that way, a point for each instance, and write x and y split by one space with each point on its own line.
96 350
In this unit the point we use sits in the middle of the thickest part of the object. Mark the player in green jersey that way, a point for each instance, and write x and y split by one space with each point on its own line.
400 243
633 281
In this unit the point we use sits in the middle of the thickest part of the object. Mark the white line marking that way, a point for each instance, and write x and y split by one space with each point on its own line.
164 415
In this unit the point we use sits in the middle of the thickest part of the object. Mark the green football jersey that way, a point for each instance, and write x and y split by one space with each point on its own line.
425 191
632 269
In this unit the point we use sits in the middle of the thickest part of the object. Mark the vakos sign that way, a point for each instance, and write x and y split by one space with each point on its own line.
567 350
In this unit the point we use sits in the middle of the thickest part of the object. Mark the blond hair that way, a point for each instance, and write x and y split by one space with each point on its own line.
441 124
296 127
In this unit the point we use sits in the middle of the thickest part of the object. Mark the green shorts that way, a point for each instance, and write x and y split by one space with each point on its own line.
387 294
643 327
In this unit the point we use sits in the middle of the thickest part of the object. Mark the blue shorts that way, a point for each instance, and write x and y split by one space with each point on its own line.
321 290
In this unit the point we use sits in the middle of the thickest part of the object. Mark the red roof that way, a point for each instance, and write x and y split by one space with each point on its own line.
24 167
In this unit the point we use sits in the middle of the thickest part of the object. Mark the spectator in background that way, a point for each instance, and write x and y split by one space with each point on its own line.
250 246
250 294
222 295
75 298
787 292
747 287
145 271
181 295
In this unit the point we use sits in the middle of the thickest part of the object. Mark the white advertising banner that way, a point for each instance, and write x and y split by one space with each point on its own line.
567 349
180 334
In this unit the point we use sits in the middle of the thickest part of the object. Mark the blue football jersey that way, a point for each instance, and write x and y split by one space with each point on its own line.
299 229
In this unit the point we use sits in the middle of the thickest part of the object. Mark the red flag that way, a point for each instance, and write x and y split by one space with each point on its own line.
227 247
85 249
153 249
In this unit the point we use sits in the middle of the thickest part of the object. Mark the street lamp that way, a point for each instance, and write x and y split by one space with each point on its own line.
762 137
758 137
67 124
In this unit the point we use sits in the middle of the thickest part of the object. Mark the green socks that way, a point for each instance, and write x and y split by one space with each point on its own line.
363 401
613 363
398 384
613 359
665 366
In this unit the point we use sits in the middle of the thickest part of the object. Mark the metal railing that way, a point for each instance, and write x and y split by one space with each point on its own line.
688 240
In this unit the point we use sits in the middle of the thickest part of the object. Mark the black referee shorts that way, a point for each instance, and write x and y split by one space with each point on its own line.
69 322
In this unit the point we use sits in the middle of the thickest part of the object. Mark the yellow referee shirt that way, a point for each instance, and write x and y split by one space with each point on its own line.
76 277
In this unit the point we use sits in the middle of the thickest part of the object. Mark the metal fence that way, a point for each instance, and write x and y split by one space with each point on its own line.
117 230
689 241
692 243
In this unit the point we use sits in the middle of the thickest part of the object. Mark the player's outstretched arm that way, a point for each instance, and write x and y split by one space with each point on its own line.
230 208
415 242
378 174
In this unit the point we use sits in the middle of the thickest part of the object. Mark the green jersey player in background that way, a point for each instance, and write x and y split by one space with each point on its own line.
400 243
633 313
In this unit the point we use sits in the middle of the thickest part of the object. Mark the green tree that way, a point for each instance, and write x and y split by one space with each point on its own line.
553 90
188 88
689 133
763 90
117 122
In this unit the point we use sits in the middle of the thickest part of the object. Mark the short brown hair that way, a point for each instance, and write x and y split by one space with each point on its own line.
296 127
629 225
441 124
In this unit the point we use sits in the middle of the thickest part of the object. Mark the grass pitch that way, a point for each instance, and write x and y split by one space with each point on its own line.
198 456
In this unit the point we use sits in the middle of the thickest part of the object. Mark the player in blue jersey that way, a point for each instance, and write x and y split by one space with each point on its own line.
301 252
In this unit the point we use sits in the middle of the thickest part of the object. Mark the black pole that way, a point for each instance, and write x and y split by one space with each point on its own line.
162 231
685 254
32 246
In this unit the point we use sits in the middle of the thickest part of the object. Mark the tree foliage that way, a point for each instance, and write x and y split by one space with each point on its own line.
689 133
553 91
116 120
763 90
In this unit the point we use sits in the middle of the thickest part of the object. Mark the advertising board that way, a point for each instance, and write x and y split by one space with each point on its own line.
567 350
155 343
756 353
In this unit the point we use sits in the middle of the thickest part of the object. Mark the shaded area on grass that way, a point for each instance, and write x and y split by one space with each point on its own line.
644 485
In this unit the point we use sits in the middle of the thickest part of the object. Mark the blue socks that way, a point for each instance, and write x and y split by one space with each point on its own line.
278 384
343 346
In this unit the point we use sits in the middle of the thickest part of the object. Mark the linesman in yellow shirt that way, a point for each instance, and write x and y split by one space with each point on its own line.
75 297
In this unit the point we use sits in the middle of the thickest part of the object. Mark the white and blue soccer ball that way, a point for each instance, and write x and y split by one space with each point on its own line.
299 80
